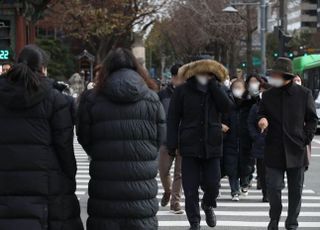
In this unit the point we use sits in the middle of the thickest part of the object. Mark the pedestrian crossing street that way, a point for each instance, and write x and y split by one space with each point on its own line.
248 213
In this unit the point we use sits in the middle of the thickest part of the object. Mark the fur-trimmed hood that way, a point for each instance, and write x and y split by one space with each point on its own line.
204 66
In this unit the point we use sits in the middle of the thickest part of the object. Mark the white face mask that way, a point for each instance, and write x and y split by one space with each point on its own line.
298 82
238 93
276 82
254 88
202 79
227 83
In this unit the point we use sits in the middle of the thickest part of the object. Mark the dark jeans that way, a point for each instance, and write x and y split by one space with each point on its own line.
261 171
246 170
234 185
275 183
195 173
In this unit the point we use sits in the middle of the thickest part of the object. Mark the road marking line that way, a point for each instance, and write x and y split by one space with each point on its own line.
255 197
258 205
241 213
235 224
307 191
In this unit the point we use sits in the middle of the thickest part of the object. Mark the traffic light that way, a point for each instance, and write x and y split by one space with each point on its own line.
243 64
290 55
275 54
5 40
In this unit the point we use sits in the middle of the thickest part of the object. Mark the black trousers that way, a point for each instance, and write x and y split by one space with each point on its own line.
261 171
275 183
196 173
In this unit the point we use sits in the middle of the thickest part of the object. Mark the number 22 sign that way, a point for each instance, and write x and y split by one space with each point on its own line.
4 54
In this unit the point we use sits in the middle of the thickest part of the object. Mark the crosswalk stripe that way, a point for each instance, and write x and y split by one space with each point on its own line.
257 205
249 224
248 213
307 191
255 197
244 213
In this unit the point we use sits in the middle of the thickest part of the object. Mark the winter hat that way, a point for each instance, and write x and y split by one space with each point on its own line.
204 66
283 66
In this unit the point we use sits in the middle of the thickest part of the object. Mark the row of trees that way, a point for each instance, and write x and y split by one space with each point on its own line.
201 27
97 25
102 24
180 29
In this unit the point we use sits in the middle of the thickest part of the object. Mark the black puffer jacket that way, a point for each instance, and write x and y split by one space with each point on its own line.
121 128
237 140
237 143
194 119
37 167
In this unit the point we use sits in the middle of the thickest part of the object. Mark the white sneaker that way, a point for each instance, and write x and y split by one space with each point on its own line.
244 191
235 197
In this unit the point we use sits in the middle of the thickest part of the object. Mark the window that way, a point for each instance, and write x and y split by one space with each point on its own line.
309 24
310 12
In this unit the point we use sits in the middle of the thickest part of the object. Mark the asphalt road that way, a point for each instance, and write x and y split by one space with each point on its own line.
248 214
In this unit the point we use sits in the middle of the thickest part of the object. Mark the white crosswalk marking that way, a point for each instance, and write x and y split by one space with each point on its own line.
249 213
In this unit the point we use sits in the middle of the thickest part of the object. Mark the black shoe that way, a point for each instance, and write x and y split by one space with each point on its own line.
195 227
211 218
265 199
273 225
258 184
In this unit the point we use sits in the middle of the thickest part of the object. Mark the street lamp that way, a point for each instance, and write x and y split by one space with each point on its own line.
230 9
263 28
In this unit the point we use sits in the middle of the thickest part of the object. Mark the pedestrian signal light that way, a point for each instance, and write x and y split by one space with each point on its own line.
4 54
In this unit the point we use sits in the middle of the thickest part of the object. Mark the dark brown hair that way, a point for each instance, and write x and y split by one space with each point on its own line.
117 59
28 68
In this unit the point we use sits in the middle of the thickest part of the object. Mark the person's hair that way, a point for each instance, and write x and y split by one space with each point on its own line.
265 86
175 69
259 79
120 58
298 76
27 68
6 63
45 55
238 81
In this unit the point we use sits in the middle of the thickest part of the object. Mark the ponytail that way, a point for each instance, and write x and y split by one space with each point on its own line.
27 69
22 72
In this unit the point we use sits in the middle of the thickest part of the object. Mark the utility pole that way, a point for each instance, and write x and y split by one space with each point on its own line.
264 7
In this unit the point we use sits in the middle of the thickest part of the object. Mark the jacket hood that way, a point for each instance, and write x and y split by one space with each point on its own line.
125 85
203 66
16 96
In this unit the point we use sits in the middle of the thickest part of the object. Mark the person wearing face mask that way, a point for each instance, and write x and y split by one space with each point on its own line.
172 189
297 80
253 83
237 162
258 144
194 127
288 112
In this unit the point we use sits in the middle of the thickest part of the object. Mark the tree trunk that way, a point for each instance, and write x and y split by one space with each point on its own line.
249 40
232 65
224 54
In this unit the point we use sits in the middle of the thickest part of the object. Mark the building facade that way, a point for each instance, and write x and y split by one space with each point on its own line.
301 15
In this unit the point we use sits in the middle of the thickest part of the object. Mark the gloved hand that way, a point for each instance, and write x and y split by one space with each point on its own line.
172 152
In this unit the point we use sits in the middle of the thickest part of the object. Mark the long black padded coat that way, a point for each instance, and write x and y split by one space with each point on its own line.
37 166
194 120
121 128
291 113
